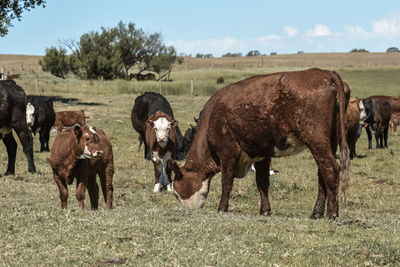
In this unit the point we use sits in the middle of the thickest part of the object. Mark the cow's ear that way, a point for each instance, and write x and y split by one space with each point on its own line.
150 123
78 132
174 123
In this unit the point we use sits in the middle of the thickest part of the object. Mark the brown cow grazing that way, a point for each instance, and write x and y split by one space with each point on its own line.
104 167
69 159
394 121
267 116
220 80
69 119
353 125
161 139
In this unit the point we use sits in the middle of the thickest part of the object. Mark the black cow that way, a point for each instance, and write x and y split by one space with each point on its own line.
12 116
145 106
376 114
40 117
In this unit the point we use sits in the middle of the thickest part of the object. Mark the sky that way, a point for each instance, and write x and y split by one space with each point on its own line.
217 26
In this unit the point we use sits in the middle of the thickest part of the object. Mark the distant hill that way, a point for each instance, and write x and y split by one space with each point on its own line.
26 63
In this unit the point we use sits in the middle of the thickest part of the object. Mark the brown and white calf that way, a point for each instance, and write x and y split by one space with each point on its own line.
161 139
104 167
69 159
394 121
353 126
267 116
68 119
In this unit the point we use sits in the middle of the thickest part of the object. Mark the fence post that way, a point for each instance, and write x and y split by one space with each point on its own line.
191 87
37 83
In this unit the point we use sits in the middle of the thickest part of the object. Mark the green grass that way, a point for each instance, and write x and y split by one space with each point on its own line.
153 229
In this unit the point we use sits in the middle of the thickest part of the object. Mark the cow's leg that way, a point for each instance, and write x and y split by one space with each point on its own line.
63 190
157 173
80 192
168 171
368 130
328 182
42 140
106 177
46 137
228 172
27 143
385 135
93 190
262 180
11 147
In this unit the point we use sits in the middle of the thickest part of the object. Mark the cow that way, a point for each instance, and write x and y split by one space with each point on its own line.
69 119
220 80
394 101
376 115
69 159
12 117
394 121
104 167
353 126
161 139
40 117
143 77
147 104
266 116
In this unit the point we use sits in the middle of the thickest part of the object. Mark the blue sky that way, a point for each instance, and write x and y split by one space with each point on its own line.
217 26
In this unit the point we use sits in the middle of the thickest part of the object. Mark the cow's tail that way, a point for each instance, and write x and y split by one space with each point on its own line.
344 154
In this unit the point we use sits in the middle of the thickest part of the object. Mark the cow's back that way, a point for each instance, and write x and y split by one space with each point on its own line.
265 109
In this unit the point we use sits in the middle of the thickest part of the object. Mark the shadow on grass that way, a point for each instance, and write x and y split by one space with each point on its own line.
73 101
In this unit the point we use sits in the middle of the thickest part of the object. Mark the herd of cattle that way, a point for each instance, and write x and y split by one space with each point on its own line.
244 124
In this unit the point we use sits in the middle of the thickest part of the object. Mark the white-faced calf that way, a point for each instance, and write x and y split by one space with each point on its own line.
161 138
69 159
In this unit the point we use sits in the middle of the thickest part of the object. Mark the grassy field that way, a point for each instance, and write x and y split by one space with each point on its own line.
153 229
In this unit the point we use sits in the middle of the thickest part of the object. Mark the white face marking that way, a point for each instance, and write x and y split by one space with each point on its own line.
92 130
363 114
295 146
198 199
162 127
30 110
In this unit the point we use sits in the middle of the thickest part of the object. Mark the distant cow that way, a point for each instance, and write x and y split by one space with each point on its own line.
267 116
104 167
146 105
40 117
162 142
394 121
69 159
376 114
68 119
394 101
12 116
220 80
143 77
353 125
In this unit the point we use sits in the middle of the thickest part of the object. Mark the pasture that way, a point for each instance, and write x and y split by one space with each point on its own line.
153 229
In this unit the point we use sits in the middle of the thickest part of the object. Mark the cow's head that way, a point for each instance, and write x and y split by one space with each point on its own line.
190 188
365 109
163 126
88 141
30 114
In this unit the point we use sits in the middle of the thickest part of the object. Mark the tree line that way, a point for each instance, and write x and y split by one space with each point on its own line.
112 53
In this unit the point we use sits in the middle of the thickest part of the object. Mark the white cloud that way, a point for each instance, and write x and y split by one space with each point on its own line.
290 31
386 27
319 31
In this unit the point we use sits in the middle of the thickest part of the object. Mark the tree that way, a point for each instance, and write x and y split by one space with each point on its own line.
361 50
392 50
56 62
253 53
162 64
12 9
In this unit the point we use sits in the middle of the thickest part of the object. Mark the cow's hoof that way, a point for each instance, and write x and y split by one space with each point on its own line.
267 213
169 188
8 173
271 172
315 216
157 188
